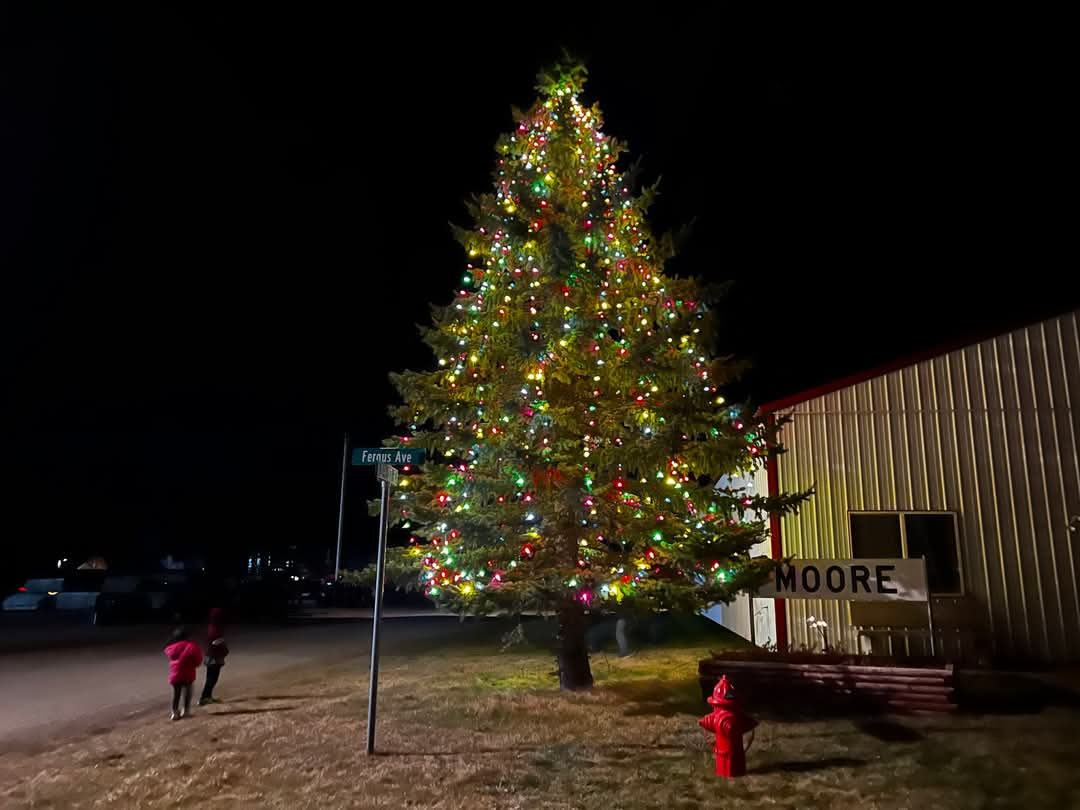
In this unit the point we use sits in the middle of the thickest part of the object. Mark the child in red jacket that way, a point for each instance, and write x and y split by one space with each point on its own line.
184 660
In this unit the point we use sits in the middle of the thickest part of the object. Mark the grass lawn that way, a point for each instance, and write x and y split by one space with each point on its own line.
468 727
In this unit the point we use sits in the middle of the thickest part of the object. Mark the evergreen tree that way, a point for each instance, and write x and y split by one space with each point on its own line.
574 425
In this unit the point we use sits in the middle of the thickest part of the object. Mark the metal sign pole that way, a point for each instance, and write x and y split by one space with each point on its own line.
929 608
387 475
750 599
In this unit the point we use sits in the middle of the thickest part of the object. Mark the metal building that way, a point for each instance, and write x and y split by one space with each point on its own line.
970 457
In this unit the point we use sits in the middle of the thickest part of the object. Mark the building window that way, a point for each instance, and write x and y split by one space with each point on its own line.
912 535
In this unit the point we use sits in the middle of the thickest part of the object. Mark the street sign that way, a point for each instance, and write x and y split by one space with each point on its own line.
370 456
386 459
388 476
384 472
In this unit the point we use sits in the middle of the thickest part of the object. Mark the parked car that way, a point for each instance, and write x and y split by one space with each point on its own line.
36 594
75 592
263 597
159 597
132 598
80 591
121 600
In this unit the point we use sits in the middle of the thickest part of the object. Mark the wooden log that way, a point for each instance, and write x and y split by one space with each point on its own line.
743 677
870 689
912 672
918 706
864 702
834 683
934 697
810 687
861 686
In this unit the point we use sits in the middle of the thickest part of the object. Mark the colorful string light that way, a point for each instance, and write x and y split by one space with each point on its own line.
573 420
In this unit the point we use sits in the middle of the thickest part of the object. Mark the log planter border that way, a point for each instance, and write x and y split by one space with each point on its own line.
806 684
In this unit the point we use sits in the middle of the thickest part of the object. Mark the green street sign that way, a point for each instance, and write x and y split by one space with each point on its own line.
370 456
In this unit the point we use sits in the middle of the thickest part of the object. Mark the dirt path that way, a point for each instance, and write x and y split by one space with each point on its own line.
48 695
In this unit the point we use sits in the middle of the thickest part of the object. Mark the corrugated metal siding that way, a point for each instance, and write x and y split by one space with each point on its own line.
989 432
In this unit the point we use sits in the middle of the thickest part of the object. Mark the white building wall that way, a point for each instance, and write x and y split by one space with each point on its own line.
989 431
735 615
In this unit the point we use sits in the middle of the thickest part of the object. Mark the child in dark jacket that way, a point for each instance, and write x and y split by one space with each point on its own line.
216 650
184 659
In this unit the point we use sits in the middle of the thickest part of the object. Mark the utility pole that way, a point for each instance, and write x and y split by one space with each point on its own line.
341 507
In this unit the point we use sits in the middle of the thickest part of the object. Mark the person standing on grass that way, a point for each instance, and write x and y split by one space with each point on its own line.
184 659
216 650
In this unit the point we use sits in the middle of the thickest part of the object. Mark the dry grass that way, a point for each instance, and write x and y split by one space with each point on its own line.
469 728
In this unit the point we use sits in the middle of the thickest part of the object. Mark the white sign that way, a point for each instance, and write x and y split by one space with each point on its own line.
853 580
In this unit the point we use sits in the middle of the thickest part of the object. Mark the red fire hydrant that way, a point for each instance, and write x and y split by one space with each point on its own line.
729 723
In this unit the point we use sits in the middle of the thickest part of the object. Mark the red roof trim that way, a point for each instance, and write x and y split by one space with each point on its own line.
895 365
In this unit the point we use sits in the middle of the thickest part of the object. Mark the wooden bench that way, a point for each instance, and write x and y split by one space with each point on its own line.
902 628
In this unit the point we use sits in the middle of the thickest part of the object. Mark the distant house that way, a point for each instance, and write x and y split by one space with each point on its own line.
969 456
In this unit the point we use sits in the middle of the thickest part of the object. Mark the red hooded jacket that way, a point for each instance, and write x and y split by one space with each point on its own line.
216 629
184 659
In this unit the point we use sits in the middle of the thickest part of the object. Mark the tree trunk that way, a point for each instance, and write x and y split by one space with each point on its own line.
573 656
622 636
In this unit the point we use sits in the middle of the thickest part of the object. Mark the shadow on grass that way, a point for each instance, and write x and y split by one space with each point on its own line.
465 753
475 635
659 698
253 711
805 766
527 749
889 731
992 692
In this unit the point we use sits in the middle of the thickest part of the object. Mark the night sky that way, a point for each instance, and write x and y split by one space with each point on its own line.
219 227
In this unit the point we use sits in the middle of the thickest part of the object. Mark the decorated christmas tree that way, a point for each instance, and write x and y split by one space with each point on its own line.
575 423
